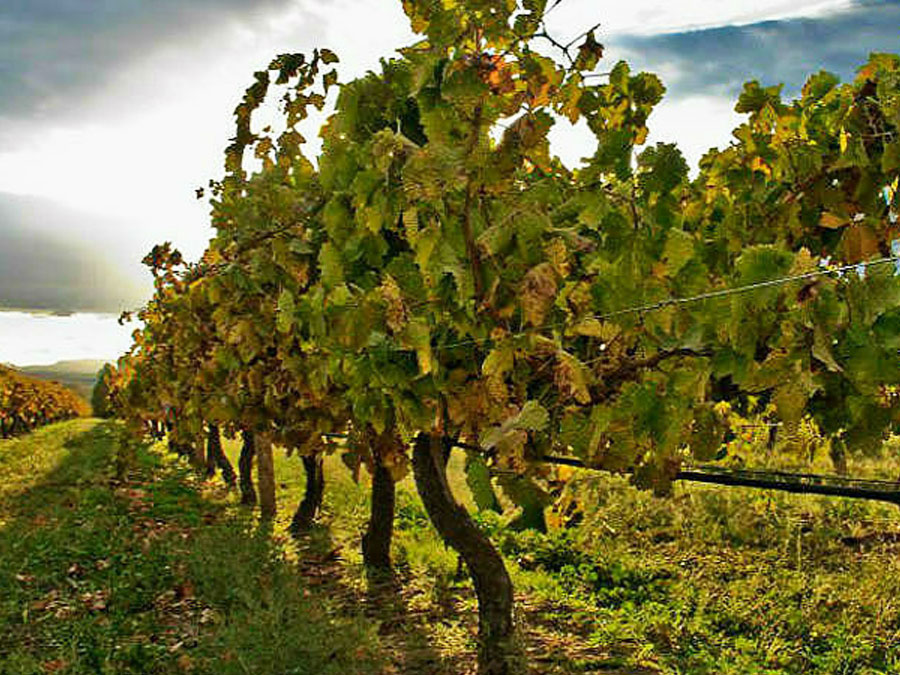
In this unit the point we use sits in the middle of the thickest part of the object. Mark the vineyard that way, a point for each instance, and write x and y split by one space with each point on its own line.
27 403
435 281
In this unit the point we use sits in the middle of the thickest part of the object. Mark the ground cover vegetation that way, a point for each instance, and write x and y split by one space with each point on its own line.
162 571
437 279
146 573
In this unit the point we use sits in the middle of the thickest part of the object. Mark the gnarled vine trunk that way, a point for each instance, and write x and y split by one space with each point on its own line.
211 463
216 458
245 468
312 498
838 455
265 475
492 583
376 542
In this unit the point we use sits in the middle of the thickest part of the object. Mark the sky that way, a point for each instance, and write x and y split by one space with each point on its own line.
32 339
112 112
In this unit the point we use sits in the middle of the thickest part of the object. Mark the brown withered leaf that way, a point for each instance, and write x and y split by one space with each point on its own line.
538 290
832 221
572 377
859 243
808 292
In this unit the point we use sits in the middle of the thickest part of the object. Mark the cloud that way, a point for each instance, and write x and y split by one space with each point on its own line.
44 339
717 61
47 262
54 52
648 17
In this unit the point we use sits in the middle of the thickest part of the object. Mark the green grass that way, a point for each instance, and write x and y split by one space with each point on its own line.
720 580
148 576
713 580
168 574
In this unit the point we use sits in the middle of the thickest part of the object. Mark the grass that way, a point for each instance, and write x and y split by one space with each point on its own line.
148 576
165 573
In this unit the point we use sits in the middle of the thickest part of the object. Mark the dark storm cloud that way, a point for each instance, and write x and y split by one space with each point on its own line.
45 264
718 61
52 52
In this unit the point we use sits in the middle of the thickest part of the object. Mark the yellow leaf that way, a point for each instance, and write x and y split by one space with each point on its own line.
558 256
832 220
498 362
591 327
759 165
418 335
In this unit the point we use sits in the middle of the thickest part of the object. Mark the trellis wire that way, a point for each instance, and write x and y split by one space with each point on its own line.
709 295
783 481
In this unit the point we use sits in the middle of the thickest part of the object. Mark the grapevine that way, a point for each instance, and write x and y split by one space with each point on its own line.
436 276
27 403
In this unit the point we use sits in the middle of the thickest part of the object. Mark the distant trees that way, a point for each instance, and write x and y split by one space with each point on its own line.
100 402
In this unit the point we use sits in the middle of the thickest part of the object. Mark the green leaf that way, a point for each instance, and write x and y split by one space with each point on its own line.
619 77
707 434
496 238
647 89
589 53
530 497
890 158
662 168
328 56
478 478
754 97
678 251
821 350
418 335
532 417
763 263
331 265
285 317
818 85
498 362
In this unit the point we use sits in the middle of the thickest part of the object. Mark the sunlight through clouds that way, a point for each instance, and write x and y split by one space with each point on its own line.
43 339
142 121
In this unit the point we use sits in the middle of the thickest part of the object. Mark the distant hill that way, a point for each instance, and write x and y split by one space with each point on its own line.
79 376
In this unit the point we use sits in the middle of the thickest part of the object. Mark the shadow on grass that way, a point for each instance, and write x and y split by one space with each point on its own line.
378 596
146 576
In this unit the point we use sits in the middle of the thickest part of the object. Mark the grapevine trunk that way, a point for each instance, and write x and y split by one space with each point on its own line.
376 543
216 458
312 499
245 467
493 586
265 475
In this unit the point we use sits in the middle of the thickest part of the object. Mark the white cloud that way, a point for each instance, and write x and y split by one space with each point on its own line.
160 127
43 339
135 149
695 123
651 16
